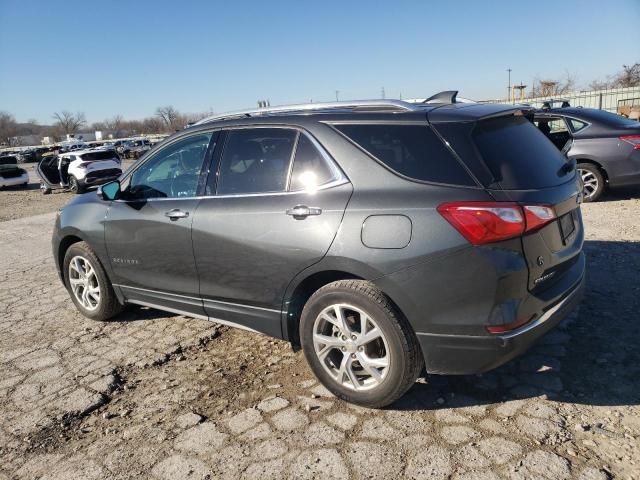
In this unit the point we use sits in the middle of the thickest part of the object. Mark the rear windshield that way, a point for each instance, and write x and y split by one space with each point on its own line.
518 155
609 118
8 161
413 151
91 156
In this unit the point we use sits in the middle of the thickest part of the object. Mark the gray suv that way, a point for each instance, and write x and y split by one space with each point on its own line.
383 238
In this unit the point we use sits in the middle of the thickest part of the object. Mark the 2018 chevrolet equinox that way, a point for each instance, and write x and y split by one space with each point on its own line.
383 237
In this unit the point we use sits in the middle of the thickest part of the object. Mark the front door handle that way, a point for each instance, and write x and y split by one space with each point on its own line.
175 214
300 212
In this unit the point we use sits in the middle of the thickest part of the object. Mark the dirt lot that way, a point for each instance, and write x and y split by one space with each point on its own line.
152 395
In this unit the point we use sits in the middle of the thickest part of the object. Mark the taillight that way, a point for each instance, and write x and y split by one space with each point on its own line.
633 140
487 222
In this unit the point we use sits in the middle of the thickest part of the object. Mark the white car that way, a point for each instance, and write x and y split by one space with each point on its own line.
10 173
79 170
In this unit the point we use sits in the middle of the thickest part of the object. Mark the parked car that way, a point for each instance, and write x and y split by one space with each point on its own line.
381 237
605 146
136 148
79 170
10 173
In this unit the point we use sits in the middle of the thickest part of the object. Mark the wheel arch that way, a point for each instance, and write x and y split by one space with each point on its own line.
595 163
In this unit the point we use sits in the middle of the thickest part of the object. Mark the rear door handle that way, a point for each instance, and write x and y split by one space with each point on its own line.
175 214
300 212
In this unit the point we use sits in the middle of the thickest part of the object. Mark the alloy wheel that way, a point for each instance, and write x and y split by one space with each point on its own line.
84 282
589 182
351 347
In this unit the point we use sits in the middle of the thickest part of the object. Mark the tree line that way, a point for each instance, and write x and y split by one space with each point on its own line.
166 119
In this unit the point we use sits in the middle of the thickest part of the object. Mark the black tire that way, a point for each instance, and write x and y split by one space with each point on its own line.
593 174
108 305
405 357
74 185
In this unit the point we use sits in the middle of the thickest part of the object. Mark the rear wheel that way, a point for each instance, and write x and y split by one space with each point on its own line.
358 345
74 185
592 182
88 285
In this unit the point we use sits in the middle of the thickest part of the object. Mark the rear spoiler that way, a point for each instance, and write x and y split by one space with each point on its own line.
474 112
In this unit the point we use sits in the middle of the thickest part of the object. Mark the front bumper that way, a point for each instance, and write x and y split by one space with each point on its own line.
466 354
11 181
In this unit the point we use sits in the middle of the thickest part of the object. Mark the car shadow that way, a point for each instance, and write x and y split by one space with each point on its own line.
620 193
591 359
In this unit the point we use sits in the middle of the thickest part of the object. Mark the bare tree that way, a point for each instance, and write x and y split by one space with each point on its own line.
168 115
69 122
8 128
629 77
550 87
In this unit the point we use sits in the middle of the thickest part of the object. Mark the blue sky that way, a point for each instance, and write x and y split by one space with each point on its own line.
123 57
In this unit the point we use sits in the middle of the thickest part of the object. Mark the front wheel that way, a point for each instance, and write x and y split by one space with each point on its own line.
87 283
358 345
592 182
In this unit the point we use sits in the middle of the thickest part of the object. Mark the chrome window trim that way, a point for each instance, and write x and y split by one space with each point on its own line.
340 179
326 186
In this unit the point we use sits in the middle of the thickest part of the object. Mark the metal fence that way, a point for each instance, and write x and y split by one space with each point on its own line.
613 100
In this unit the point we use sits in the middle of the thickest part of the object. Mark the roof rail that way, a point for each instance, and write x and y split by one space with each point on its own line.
379 105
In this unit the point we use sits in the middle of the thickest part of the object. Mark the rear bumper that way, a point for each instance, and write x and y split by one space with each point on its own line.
466 354
11 181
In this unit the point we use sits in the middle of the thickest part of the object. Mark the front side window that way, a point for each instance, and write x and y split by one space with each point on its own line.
310 169
173 172
255 160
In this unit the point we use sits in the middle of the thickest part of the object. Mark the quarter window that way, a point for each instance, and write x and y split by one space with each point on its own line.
413 151
577 125
173 172
255 160
310 169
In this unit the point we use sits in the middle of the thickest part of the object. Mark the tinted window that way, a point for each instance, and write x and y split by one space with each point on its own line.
172 172
255 161
608 118
310 169
410 150
518 154
100 155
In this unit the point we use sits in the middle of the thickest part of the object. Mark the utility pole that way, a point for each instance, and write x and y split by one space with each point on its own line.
509 86
337 94
383 94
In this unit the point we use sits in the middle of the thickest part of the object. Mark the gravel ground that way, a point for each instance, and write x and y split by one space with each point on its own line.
153 395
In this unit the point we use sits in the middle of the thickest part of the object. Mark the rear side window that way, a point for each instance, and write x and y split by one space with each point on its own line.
518 155
310 169
255 160
413 151
577 125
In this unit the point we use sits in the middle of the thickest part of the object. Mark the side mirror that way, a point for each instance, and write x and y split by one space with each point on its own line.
109 191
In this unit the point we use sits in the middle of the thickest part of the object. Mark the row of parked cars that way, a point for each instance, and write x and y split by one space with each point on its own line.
75 166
